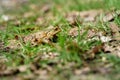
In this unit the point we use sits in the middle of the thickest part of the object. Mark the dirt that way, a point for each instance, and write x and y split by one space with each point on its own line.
48 65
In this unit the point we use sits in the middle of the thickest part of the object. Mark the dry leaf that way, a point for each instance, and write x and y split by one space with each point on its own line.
82 71
46 8
113 47
2 27
92 53
74 32
115 30
1 45
13 44
97 49
86 16
110 16
40 20
49 55
9 71
23 68
71 17
28 14
90 15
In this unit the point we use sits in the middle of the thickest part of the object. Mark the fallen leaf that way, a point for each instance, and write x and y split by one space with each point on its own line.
13 44
46 8
72 17
2 27
90 15
1 45
91 54
97 49
82 71
49 55
85 16
2 66
23 68
91 32
113 47
40 20
9 71
111 16
73 32
115 30
28 14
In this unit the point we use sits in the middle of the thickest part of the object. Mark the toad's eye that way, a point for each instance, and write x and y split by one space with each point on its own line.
35 40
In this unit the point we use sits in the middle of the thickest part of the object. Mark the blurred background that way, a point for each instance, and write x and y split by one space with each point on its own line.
11 4
65 4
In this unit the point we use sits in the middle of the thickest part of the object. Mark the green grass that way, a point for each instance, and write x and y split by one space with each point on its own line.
65 47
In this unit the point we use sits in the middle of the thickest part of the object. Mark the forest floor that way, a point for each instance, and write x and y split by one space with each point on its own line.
60 40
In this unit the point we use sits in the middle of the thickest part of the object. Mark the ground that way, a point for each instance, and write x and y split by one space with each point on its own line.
60 40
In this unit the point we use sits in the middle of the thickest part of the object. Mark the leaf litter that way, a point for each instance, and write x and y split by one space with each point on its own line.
115 31
110 16
84 16
100 35
110 44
